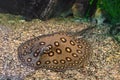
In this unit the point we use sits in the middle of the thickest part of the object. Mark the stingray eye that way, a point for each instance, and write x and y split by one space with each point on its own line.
45 50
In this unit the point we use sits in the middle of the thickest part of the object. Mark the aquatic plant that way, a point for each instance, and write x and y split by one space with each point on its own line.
112 14
112 10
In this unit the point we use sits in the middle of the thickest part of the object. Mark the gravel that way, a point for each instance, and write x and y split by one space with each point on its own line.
103 65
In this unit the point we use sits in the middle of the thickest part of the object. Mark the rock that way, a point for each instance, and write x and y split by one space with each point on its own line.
80 7
84 8
42 9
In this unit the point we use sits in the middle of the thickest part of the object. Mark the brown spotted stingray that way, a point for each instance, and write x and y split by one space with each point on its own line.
58 52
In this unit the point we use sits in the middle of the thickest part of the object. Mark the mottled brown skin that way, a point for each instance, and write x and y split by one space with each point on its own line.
57 52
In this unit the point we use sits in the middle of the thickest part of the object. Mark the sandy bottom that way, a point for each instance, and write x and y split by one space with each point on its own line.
103 65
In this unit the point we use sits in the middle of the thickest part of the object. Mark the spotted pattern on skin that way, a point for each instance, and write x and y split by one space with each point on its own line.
51 54
72 42
79 51
79 46
56 43
29 59
62 61
55 61
38 63
58 52
63 39
47 62
42 43
74 55
68 59
68 49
